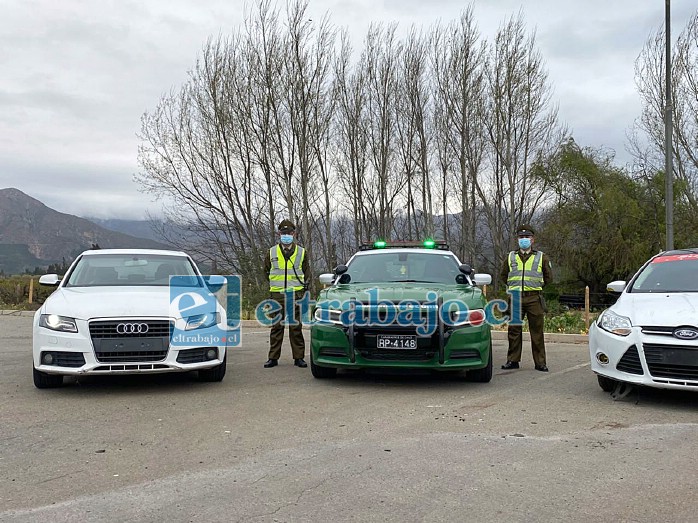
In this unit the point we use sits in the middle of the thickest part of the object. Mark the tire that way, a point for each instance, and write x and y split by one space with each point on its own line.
483 375
606 384
214 374
46 381
321 373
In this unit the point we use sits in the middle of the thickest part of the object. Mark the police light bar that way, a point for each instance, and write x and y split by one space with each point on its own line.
383 244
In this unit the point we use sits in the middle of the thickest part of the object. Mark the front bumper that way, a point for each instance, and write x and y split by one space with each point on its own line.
74 354
645 357
465 348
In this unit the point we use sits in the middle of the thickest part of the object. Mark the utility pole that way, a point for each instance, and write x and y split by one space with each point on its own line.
668 132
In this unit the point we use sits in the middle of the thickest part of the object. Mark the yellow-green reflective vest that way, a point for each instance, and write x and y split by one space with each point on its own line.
282 275
525 277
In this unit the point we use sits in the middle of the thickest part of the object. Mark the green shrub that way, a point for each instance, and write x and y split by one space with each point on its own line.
14 293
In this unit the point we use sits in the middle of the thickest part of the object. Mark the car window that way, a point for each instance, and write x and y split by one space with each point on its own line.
133 270
403 267
671 273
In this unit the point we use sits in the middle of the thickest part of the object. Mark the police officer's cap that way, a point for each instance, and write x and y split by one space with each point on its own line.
286 226
525 230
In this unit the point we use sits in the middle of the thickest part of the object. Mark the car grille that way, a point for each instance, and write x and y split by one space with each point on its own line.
130 344
658 331
130 368
630 362
672 361
116 357
109 329
397 354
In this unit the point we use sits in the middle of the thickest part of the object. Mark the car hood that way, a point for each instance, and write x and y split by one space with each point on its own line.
103 302
655 309
396 292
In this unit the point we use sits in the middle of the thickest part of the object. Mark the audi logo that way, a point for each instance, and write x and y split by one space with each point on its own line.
132 328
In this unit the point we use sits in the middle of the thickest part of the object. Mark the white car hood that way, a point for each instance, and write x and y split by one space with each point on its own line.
659 309
104 302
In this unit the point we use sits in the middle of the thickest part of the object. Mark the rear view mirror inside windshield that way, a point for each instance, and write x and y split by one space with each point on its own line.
135 262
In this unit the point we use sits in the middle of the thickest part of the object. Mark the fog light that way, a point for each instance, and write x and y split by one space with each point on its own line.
602 358
47 359
211 354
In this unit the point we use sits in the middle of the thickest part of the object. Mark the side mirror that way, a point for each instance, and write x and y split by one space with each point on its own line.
344 278
215 282
461 279
50 279
340 269
482 279
465 269
616 286
326 279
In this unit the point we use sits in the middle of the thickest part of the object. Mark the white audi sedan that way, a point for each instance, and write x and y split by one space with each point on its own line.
650 335
112 313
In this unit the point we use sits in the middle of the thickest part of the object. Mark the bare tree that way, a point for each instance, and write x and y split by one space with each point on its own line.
413 113
381 57
647 140
521 128
351 139
458 58
275 122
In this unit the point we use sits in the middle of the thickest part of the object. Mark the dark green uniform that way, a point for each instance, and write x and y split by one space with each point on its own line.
295 332
532 309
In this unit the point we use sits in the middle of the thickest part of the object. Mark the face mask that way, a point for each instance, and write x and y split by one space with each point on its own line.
286 238
525 243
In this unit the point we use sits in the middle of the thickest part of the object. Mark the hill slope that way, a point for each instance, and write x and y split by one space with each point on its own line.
51 236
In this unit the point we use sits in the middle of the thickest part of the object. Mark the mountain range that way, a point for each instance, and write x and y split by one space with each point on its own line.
34 235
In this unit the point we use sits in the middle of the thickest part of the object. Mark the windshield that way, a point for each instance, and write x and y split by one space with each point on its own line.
100 270
671 273
423 267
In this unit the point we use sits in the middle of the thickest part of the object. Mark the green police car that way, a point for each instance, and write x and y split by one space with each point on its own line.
403 305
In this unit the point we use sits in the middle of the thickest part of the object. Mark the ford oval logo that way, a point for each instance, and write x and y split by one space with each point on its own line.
686 333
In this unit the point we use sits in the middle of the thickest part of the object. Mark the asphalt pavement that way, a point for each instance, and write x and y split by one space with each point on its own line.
278 445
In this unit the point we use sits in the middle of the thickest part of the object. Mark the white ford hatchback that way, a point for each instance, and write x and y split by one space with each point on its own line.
650 335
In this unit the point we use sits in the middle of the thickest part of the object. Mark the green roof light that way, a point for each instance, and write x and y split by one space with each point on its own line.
380 244
429 244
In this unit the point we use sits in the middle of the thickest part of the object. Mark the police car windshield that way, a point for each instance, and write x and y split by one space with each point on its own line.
113 270
671 273
408 267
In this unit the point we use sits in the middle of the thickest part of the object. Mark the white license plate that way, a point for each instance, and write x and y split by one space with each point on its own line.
396 341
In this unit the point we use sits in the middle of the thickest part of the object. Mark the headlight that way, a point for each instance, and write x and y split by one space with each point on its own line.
202 321
57 323
328 316
615 323
473 317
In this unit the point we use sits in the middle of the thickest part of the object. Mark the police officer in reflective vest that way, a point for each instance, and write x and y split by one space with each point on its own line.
287 267
526 271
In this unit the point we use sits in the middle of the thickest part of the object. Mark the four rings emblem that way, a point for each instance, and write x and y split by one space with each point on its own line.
132 328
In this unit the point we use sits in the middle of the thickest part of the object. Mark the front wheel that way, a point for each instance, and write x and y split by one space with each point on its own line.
606 384
483 375
321 373
46 381
214 374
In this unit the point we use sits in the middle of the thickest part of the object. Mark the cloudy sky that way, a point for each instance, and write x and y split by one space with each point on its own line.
76 76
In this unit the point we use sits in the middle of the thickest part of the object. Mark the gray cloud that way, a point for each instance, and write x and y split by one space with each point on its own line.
78 75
